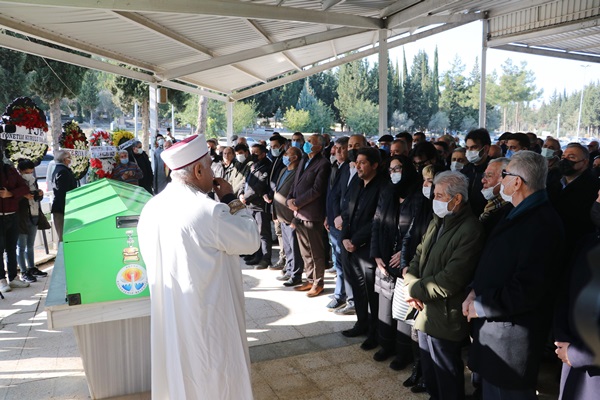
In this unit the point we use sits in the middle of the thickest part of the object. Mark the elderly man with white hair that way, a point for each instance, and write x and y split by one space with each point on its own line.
198 330
515 286
436 284
127 171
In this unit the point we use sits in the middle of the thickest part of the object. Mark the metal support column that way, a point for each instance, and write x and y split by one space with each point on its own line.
383 84
229 121
482 79
153 106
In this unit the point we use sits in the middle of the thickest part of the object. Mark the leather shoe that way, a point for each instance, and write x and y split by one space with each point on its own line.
382 354
354 332
369 344
304 287
419 388
315 291
283 277
253 261
292 282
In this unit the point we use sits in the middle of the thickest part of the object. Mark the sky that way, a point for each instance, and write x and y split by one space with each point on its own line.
465 41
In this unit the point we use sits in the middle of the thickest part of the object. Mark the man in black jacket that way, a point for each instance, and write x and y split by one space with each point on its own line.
478 145
356 239
63 180
256 187
278 148
514 287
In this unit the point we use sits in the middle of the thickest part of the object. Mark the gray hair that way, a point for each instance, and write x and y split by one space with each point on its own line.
531 167
60 156
455 182
123 152
461 150
503 160
586 152
136 143
185 174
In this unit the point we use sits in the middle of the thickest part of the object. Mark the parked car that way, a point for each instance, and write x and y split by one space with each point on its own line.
40 170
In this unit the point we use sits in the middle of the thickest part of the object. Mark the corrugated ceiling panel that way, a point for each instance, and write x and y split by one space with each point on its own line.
284 30
268 66
224 79
219 34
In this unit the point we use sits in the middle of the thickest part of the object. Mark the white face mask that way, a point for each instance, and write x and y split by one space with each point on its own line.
488 193
548 153
456 166
161 142
276 152
427 191
138 150
473 155
240 157
505 197
396 177
332 159
29 178
440 208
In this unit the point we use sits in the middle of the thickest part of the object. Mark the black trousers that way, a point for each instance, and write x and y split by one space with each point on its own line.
442 367
9 234
393 334
263 220
360 274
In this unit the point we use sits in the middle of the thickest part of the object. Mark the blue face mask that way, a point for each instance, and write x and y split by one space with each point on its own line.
285 160
297 144
307 147
510 153
124 161
385 148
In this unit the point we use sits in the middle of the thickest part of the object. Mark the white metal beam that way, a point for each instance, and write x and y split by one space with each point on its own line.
543 32
550 53
34 32
332 64
222 8
442 19
421 9
383 82
260 52
40 50
397 7
483 74
193 90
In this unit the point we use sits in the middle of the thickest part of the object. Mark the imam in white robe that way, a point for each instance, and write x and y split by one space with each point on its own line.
191 246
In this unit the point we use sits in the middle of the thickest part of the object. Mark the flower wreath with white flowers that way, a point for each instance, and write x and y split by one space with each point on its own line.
23 131
101 167
74 141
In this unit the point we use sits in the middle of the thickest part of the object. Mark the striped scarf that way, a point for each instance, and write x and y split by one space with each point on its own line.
493 205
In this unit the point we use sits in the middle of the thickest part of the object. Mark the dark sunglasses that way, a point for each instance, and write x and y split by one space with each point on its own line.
505 173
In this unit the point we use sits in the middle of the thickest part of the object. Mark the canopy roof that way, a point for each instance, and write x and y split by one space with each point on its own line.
222 48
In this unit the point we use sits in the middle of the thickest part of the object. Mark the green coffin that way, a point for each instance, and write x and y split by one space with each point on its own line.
102 261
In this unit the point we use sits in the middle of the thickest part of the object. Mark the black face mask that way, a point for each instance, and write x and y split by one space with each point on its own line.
566 167
254 157
596 171
595 214
352 154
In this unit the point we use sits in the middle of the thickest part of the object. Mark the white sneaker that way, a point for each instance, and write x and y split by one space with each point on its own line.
17 283
4 287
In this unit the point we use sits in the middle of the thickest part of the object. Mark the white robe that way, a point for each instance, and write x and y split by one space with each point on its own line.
190 245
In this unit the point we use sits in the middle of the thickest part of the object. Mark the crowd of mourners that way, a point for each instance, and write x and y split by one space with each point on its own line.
435 247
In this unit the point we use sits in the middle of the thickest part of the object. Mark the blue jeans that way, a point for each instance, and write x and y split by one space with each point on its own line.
9 233
25 245
342 291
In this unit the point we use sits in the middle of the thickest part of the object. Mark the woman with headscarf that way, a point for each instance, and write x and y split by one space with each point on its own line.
395 212
143 161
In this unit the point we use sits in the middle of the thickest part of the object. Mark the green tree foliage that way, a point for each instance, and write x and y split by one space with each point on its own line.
296 120
12 75
401 122
52 81
216 124
439 122
88 97
363 117
244 116
321 116
353 86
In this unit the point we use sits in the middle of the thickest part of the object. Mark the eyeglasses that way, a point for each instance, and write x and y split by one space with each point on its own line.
395 169
505 173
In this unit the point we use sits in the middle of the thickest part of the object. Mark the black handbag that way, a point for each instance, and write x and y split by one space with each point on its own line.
43 223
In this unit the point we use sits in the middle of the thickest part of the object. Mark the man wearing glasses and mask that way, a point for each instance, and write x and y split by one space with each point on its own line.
514 288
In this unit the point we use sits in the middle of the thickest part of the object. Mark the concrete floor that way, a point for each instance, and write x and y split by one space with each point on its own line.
296 348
